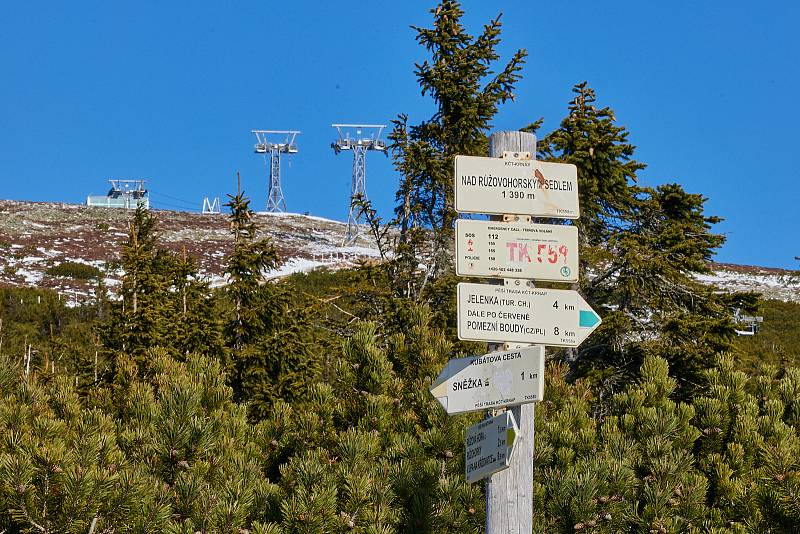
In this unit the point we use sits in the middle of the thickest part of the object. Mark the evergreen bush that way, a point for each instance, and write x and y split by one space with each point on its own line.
78 271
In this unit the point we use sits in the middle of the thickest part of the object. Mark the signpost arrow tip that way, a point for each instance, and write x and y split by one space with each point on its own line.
588 318
439 390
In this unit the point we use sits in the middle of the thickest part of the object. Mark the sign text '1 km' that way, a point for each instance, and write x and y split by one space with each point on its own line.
516 186
504 378
517 250
520 314
489 446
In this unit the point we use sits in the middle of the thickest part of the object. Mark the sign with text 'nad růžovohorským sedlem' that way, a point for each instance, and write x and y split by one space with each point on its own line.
516 186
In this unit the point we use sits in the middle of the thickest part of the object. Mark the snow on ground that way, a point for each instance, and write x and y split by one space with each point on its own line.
304 215
295 265
781 285
31 278
35 236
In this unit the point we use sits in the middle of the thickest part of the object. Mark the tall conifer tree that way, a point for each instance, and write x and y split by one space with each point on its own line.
640 250
164 301
267 333
144 317
466 91
590 139
197 327
247 263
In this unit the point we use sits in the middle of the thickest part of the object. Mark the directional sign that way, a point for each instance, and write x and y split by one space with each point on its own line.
517 250
496 379
489 446
520 314
524 187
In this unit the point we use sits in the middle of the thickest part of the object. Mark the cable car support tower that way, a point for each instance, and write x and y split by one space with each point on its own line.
275 142
366 137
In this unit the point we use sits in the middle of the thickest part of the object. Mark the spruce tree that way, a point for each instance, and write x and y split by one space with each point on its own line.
197 327
640 250
648 282
590 139
466 91
267 332
165 302
144 317
247 263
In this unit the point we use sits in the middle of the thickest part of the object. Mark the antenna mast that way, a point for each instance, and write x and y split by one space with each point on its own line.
275 142
366 137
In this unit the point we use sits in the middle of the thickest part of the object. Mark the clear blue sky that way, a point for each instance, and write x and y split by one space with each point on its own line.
169 91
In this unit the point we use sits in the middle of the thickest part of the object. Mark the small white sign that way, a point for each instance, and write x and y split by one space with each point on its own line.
505 378
517 313
489 446
516 186
517 250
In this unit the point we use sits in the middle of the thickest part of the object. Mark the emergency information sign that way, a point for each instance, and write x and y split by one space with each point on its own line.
520 314
517 250
503 378
516 186
489 446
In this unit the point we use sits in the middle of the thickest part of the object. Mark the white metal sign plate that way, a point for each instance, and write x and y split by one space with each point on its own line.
520 314
489 446
505 378
517 250
516 186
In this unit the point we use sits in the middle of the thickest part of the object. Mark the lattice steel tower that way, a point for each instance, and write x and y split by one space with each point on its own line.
366 137
275 142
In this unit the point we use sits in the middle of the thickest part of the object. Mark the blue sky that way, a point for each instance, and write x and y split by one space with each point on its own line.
169 91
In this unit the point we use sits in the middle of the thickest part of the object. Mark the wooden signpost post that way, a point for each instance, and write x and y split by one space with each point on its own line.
513 187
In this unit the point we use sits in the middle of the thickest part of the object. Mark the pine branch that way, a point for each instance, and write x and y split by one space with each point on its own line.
28 518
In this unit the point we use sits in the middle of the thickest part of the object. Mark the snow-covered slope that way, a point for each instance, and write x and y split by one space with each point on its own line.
779 284
37 236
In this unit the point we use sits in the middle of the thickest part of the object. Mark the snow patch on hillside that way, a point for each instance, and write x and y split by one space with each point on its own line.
780 285
303 215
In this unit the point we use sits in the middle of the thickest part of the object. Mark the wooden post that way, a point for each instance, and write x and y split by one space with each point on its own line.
509 493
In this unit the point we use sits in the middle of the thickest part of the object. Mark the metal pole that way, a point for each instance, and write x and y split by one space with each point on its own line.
275 200
509 493
358 188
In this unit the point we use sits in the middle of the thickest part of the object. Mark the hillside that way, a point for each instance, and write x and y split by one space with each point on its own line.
35 237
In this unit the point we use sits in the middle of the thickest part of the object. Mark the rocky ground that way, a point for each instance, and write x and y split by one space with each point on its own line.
36 236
